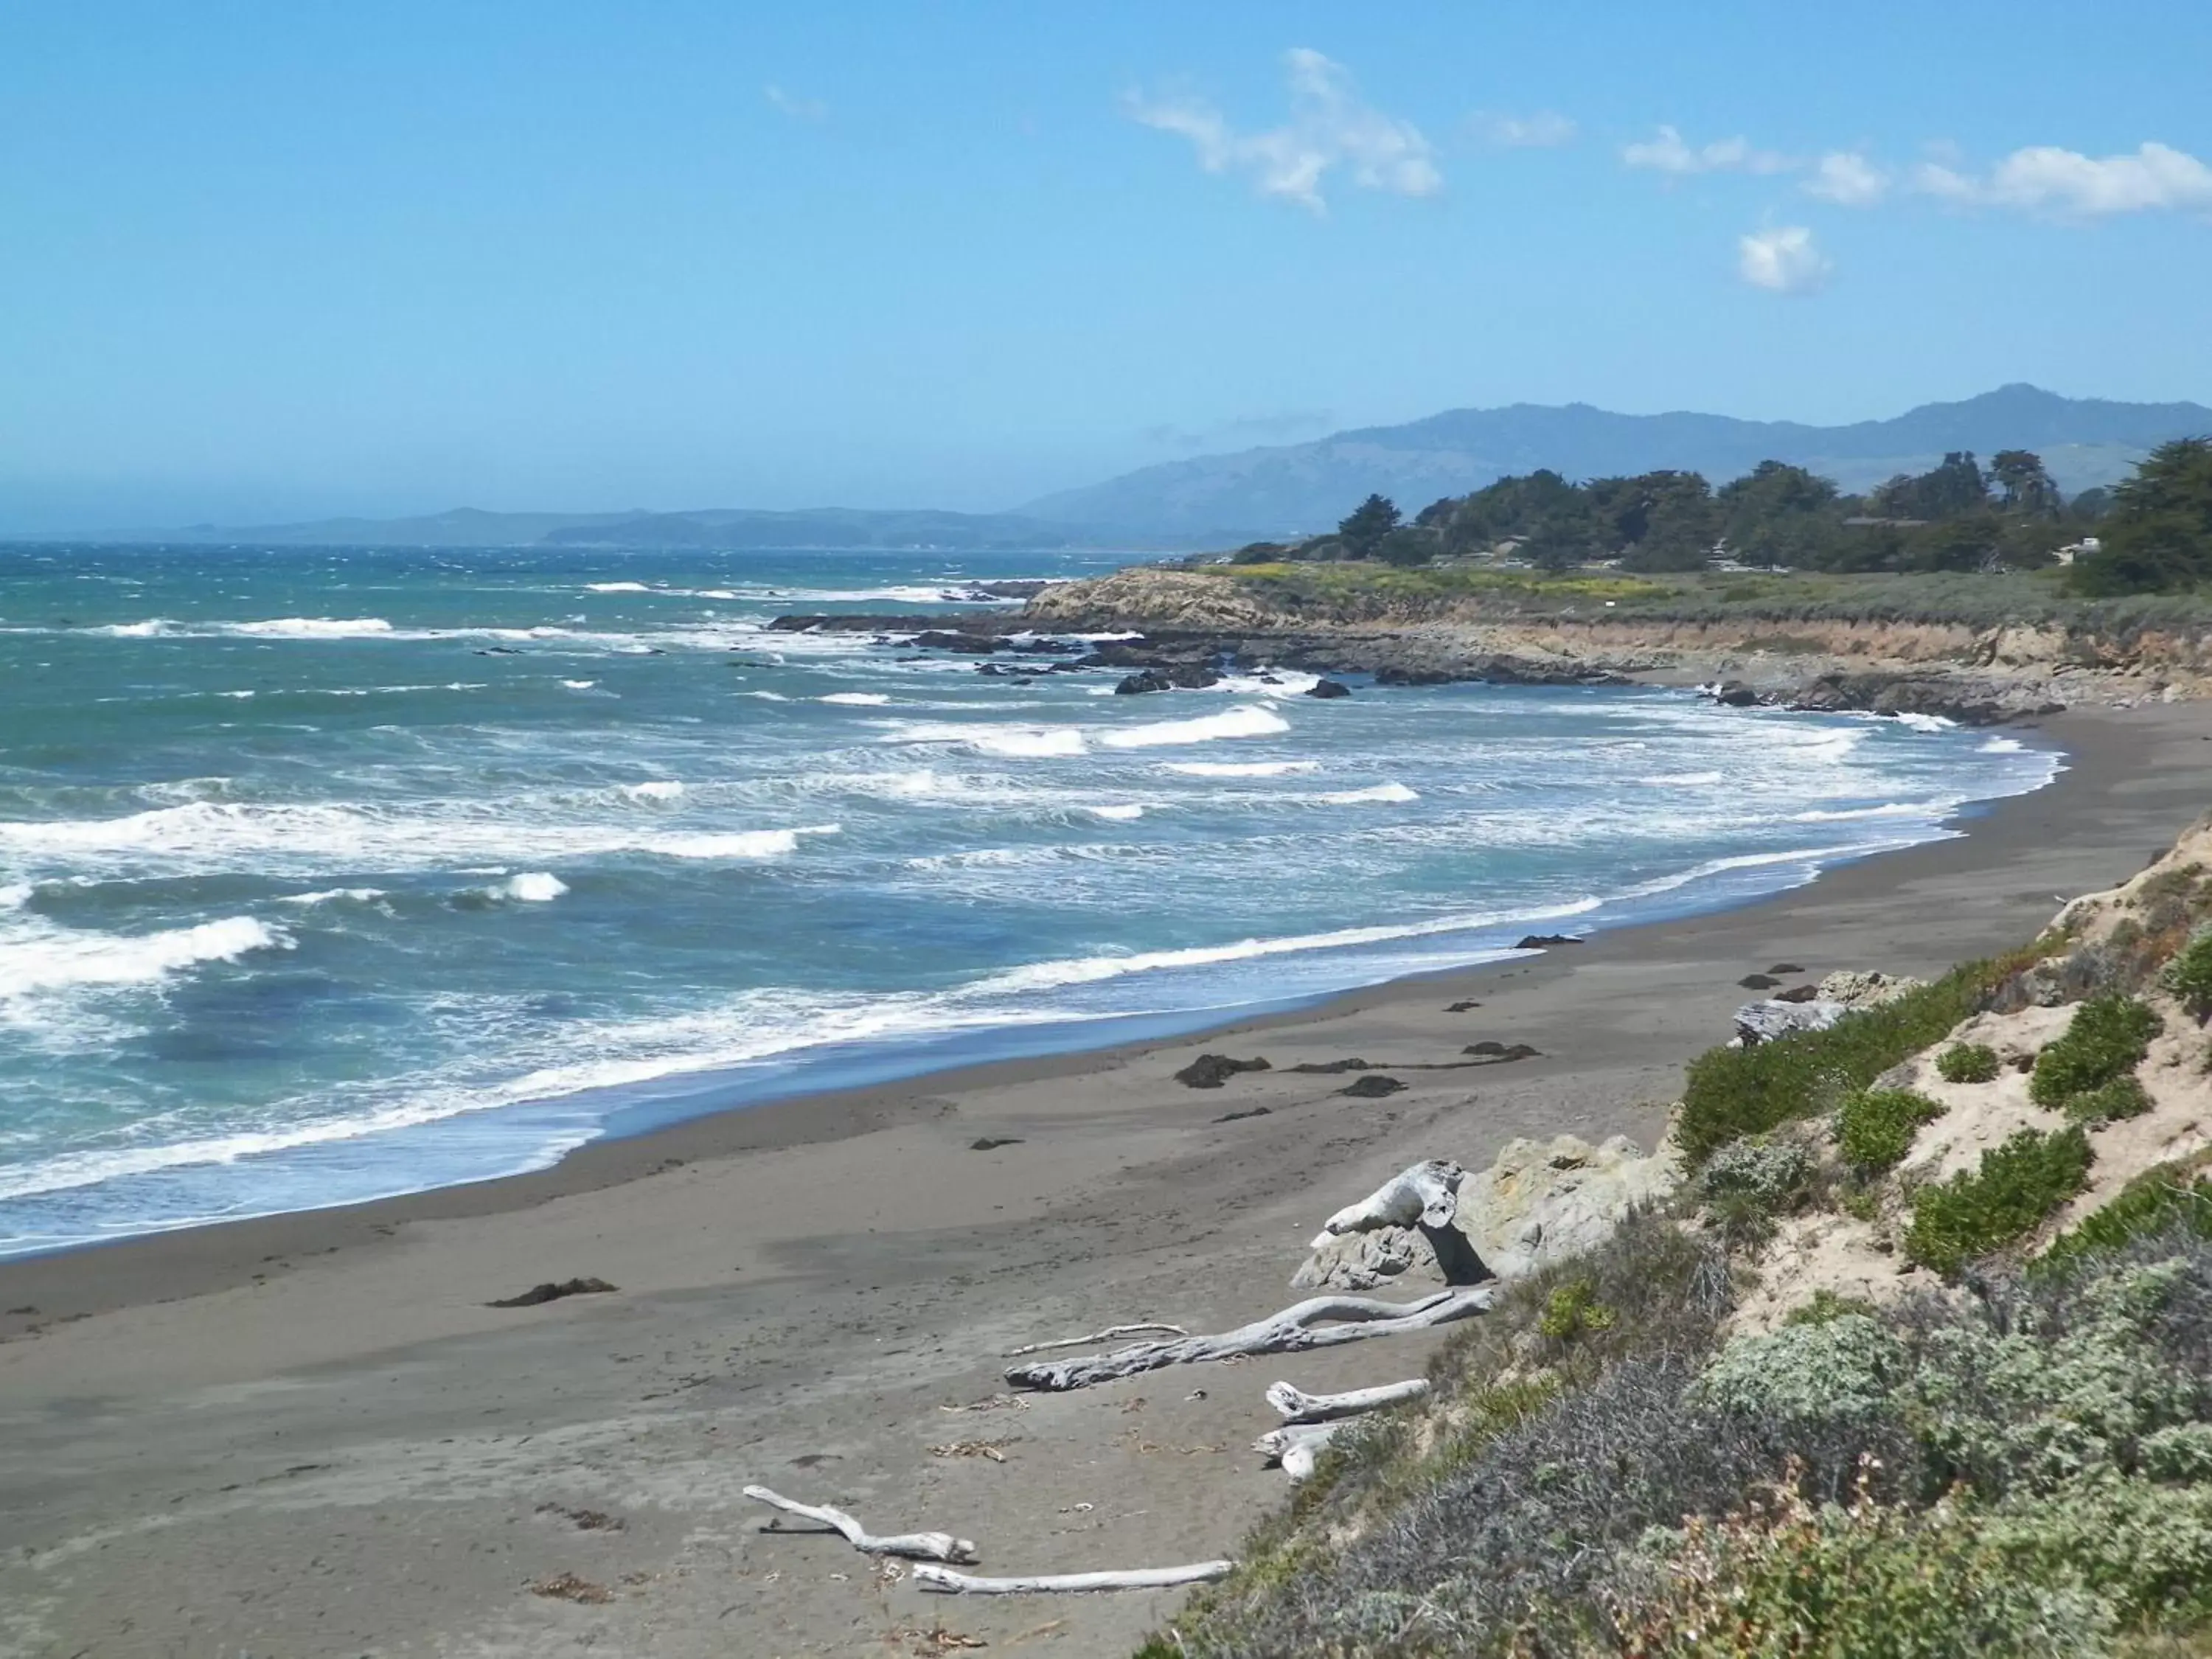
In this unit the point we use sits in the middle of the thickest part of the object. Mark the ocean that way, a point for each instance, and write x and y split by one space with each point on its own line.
328 874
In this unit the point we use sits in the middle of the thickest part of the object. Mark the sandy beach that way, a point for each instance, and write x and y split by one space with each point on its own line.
309 1435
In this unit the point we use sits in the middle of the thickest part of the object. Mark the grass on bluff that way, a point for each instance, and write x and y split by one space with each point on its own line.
1974 600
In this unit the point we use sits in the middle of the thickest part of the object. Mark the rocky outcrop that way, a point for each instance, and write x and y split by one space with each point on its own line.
1541 1202
1546 1201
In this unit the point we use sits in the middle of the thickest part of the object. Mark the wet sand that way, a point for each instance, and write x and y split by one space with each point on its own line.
308 1435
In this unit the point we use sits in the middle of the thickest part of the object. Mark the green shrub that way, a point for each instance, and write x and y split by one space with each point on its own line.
1967 1062
1875 1128
1573 1309
1827 1305
2122 1097
2178 1193
2109 1037
1839 1369
2189 975
1984 1209
1732 1092
1858 1580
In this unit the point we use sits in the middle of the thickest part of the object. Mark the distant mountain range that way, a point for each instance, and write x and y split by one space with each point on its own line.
1294 488
710 527
1216 500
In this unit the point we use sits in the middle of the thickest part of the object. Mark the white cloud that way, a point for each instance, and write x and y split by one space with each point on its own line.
1545 129
1330 127
2044 179
1670 153
1783 260
797 108
1847 179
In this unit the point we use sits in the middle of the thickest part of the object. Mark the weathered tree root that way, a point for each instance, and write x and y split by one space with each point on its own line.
1296 1406
1294 1330
1427 1193
925 1546
949 1583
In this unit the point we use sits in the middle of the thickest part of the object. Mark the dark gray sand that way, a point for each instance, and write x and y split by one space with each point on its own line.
310 1435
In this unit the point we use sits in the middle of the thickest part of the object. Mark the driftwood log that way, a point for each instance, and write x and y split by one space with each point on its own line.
949 1583
1426 1194
1276 1445
1296 1405
1320 1322
922 1546
1111 1333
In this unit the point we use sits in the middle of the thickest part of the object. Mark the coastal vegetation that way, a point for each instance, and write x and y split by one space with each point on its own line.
2152 534
2006 1451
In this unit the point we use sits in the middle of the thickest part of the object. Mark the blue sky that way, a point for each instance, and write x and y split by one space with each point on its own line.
266 260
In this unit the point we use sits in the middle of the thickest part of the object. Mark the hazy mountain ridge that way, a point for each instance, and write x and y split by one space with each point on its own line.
1301 487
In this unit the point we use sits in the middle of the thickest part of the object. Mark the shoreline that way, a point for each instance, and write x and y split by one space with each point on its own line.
215 1253
312 1435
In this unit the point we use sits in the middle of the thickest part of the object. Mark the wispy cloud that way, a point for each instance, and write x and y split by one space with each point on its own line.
2065 183
1783 260
1848 179
1330 127
1279 428
1545 129
811 110
1670 153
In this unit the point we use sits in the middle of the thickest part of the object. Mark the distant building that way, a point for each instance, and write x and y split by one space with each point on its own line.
2083 549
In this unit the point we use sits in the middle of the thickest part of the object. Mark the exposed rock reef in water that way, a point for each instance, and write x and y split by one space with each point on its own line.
1975 675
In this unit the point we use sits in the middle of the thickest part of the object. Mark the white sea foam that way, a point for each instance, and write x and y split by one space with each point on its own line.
1381 791
313 628
2003 746
616 587
659 789
335 895
1926 723
1120 811
1279 683
1247 720
137 630
208 837
1686 780
1007 742
16 894
766 697
580 685
1895 809
1239 768
532 887
1086 970
858 699
50 959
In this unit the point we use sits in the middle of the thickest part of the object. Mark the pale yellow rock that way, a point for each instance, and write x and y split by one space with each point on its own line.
1545 1202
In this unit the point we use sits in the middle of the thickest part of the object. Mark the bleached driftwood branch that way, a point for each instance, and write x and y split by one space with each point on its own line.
1111 1333
1299 1407
927 1546
1276 1445
1428 1193
1299 1461
949 1583
1320 1322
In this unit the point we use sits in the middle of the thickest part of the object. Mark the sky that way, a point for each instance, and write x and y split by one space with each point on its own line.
278 260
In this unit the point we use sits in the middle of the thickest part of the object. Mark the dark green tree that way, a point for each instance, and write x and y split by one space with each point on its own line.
1368 523
1409 545
2158 532
1777 514
1958 487
2024 486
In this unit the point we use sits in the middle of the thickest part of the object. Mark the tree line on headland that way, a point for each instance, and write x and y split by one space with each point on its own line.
2152 532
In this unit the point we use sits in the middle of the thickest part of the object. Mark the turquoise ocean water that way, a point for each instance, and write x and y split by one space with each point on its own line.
327 874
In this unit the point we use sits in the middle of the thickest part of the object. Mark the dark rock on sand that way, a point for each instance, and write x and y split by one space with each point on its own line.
1759 982
1373 1086
1798 994
550 1292
1461 1007
1328 689
1212 1071
1239 1117
1332 1067
1501 1052
992 1143
1734 694
1781 968
1544 941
